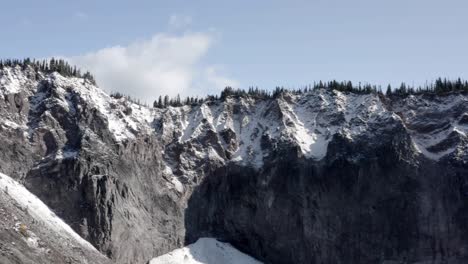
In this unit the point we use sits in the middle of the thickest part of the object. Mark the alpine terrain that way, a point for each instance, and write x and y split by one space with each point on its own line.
318 176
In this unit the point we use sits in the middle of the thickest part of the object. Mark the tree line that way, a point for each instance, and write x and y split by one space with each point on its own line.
49 66
118 95
166 101
440 86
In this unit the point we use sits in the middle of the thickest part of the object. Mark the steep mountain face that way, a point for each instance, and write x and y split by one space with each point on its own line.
327 177
91 159
321 177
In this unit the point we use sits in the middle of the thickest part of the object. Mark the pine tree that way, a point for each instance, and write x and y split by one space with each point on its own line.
160 102
389 90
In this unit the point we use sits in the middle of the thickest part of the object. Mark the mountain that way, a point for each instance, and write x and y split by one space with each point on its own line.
324 176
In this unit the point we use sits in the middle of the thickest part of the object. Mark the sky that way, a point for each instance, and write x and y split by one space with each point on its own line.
146 48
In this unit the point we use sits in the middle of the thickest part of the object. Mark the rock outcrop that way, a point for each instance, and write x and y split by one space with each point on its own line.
31 233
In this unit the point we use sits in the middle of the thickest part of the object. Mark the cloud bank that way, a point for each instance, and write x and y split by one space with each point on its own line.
165 64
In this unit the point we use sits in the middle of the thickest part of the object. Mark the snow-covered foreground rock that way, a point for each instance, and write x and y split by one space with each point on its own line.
205 251
31 233
38 210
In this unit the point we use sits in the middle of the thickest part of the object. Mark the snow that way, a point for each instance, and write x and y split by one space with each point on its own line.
12 80
309 120
189 124
31 238
122 125
417 109
11 124
67 154
424 141
307 134
205 251
249 125
431 155
177 184
38 210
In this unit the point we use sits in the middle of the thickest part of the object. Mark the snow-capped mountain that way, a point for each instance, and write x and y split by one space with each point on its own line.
317 177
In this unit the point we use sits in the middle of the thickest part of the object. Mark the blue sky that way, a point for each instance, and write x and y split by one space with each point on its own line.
201 45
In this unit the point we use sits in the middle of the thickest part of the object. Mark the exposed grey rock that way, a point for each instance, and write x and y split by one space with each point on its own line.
26 236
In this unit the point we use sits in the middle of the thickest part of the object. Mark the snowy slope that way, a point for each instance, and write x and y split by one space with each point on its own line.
237 129
205 251
307 120
246 130
39 211
14 80
125 119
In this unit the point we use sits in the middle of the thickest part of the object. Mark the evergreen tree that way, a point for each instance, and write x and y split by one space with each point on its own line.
160 102
389 90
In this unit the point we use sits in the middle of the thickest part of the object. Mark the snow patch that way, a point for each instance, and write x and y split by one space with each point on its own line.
436 111
177 184
307 134
10 124
67 154
205 251
12 80
125 118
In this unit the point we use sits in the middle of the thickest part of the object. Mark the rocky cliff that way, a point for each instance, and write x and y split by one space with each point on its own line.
320 177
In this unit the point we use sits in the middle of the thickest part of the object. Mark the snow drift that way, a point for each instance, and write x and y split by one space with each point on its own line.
206 251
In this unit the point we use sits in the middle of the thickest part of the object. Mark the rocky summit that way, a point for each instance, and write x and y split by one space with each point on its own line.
323 176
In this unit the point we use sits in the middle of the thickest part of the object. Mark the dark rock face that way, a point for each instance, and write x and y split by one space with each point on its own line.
322 177
386 206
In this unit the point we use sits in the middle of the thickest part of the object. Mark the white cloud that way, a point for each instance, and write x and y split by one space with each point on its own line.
165 64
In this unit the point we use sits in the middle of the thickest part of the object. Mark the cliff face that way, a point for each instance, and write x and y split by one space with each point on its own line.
321 177
91 159
382 206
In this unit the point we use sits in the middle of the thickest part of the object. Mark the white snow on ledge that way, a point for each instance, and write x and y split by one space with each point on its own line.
38 210
205 251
